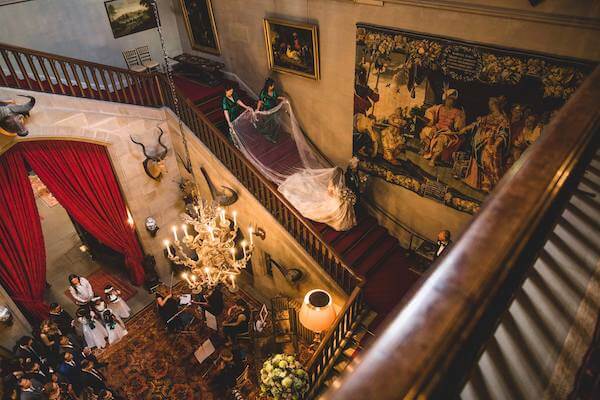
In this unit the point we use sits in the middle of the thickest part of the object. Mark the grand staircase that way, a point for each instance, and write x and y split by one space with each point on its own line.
367 248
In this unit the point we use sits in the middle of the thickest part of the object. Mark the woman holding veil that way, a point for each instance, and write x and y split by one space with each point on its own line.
268 100
317 190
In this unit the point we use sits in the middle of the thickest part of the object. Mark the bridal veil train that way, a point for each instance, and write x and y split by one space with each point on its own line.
303 176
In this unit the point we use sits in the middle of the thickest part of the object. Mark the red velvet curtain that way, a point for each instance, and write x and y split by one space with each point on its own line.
81 178
22 252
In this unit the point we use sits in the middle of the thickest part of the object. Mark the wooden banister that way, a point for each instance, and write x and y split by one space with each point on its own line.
433 340
265 191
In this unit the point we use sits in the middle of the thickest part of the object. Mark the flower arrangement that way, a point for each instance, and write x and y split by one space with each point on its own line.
283 378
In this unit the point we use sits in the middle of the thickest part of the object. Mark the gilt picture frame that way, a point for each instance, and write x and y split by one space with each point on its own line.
292 47
127 17
201 26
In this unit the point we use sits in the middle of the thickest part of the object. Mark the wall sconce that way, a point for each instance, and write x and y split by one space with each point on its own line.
259 232
6 317
292 275
151 226
317 313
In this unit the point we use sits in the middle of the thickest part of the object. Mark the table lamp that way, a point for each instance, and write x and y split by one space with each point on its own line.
317 313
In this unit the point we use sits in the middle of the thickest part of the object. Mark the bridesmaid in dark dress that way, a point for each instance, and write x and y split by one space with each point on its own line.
269 99
232 105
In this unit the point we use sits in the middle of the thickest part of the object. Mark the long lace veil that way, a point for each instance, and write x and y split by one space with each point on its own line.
303 176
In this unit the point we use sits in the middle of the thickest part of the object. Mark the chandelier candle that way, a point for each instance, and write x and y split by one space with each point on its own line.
208 250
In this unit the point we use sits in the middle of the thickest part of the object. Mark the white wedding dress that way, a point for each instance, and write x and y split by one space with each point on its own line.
316 190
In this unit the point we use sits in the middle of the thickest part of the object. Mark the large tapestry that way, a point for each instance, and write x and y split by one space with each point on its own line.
446 118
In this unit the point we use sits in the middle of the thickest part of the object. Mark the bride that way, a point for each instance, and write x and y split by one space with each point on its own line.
322 196
315 189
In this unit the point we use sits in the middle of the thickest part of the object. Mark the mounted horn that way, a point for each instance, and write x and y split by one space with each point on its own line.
12 117
164 153
23 109
154 165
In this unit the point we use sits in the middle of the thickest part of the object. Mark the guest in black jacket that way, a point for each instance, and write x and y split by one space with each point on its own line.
25 349
66 345
30 390
71 371
35 373
62 319
91 377
86 354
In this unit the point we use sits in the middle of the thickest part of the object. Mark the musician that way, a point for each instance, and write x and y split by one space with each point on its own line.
237 321
212 300
168 310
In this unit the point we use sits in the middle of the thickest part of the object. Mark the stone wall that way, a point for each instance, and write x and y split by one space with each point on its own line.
325 107
110 124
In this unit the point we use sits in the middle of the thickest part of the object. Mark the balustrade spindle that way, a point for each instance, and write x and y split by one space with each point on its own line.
74 71
114 86
7 60
122 85
67 78
34 71
22 70
42 62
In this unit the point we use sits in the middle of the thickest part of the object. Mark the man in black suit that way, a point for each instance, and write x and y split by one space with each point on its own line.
25 350
91 377
65 345
62 319
34 373
30 390
71 371
443 243
86 354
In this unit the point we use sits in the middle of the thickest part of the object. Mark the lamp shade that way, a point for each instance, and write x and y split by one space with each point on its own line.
317 313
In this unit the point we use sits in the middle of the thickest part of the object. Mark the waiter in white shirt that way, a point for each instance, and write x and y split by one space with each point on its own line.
80 289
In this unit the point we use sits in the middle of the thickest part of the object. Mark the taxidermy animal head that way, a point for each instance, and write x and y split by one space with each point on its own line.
13 115
155 163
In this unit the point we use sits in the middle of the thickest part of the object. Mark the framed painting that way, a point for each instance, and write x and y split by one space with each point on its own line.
292 47
200 25
130 16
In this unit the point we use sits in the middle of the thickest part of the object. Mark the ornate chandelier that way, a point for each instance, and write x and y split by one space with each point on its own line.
207 248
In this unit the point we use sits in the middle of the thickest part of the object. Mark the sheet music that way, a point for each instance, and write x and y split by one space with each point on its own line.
204 351
211 320
185 299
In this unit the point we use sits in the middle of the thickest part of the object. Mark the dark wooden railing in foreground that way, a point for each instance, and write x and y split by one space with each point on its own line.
433 341
38 71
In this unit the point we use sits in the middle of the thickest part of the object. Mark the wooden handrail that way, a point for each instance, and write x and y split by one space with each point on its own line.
45 72
71 60
434 339
234 159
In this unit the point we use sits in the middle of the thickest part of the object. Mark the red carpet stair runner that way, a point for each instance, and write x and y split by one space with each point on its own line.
368 248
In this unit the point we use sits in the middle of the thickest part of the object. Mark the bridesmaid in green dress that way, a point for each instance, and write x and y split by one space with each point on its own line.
232 105
268 99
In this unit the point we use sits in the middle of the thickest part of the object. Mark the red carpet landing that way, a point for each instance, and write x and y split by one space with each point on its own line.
150 363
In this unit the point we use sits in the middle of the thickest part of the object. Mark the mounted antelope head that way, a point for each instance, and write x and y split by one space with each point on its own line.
154 164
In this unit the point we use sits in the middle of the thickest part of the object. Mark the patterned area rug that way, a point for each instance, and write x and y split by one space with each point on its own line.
100 278
151 363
